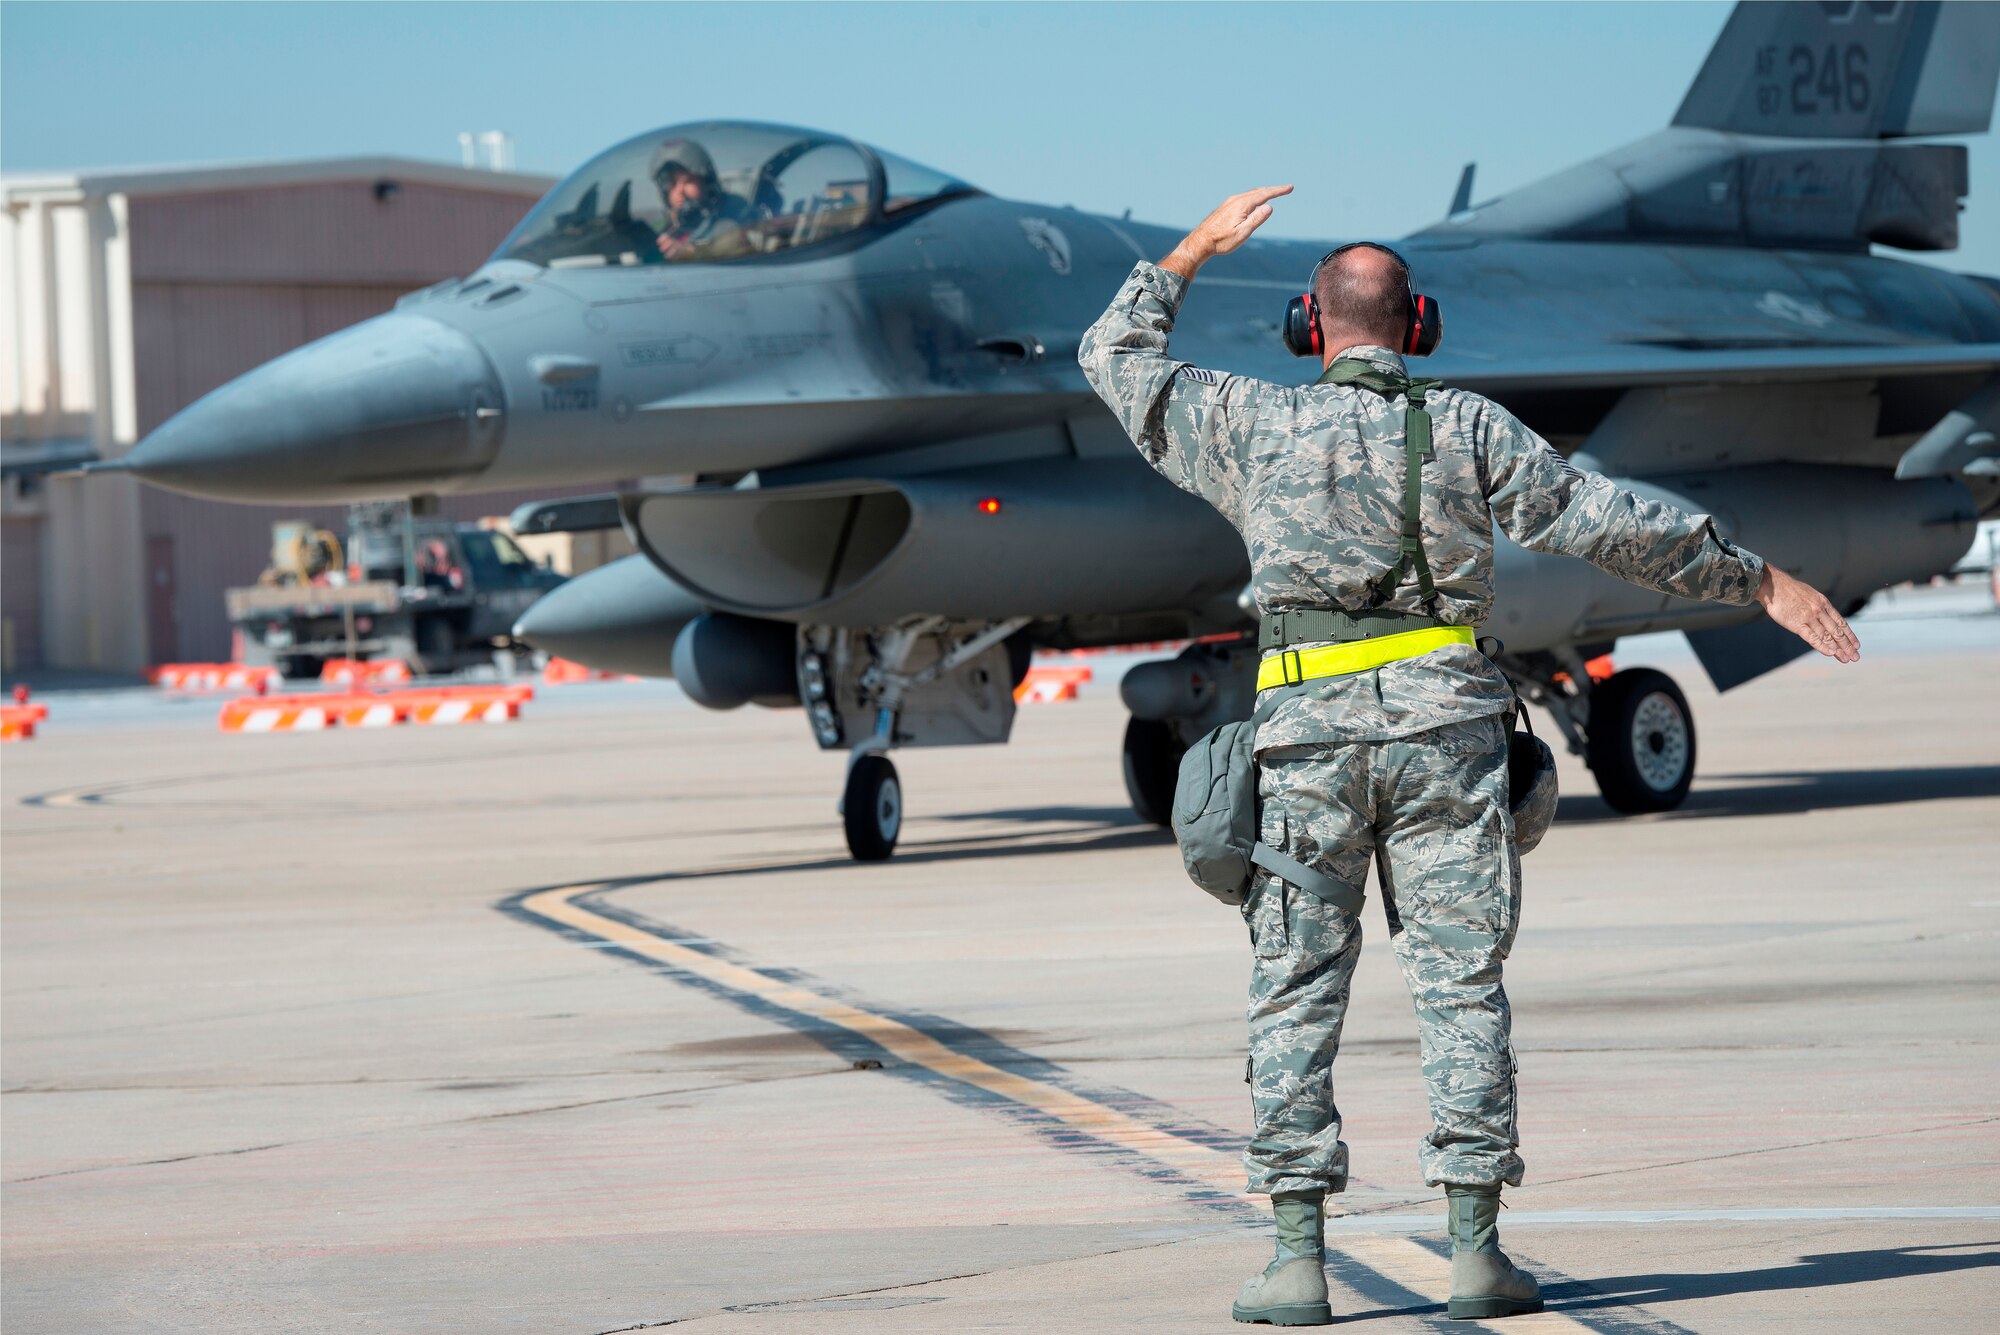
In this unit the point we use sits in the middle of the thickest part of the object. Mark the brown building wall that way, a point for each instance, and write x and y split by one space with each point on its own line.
334 232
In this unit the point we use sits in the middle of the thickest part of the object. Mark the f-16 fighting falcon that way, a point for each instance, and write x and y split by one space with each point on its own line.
895 483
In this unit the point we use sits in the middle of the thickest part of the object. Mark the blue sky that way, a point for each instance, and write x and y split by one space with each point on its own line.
1369 109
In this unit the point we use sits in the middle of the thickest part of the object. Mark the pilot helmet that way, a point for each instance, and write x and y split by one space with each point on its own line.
683 155
1531 784
687 156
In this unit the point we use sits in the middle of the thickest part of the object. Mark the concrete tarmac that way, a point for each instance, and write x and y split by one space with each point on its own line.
586 1023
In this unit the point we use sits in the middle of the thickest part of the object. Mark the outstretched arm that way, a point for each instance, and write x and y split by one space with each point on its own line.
1805 612
1547 504
1194 426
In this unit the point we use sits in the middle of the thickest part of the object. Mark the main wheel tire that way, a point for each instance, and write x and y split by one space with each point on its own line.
1641 741
871 808
1152 756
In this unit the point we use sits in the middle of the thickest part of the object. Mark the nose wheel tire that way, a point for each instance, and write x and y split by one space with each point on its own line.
871 808
1152 756
1641 741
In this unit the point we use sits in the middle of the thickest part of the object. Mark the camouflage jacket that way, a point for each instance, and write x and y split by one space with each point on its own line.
1312 477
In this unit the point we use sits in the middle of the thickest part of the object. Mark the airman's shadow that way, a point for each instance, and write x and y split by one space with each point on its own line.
1793 792
1825 1270
1828 1270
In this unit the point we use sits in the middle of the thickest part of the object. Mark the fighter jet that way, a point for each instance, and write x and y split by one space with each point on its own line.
892 485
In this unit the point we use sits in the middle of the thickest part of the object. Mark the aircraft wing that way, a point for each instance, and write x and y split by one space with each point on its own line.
1627 365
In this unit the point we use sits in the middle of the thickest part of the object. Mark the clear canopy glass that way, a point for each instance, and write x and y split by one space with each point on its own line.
717 191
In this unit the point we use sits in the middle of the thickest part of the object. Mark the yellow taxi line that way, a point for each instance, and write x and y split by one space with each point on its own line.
1396 1258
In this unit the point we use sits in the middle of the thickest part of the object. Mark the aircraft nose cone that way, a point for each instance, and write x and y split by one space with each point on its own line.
396 405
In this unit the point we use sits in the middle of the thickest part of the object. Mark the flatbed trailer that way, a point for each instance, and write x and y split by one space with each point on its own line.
460 613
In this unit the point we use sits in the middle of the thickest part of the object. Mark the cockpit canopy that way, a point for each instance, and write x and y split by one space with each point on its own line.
722 190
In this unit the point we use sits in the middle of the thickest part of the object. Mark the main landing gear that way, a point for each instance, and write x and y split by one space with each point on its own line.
1174 702
1152 761
1634 728
1640 745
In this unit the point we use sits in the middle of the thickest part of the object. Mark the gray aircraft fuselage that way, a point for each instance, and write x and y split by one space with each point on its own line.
945 339
952 324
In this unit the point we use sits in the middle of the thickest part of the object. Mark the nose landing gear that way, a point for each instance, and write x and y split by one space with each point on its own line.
871 808
925 682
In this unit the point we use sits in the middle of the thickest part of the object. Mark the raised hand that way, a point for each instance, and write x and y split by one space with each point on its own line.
1222 231
1805 612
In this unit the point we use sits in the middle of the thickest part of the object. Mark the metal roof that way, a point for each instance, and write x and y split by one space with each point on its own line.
195 177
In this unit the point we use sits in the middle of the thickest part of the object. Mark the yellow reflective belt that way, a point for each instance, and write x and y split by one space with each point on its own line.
1336 660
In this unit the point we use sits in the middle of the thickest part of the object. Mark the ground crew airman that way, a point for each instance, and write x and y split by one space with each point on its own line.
1403 764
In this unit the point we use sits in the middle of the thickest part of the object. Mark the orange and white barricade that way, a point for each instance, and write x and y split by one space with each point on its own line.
467 704
375 709
563 672
364 672
1600 668
212 677
17 722
369 711
1046 685
282 713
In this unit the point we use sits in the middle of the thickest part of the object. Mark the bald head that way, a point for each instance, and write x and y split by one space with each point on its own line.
1364 297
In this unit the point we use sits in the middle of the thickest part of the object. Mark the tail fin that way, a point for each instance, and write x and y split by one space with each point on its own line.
1850 69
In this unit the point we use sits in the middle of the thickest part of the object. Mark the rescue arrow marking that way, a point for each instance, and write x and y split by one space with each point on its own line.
1388 1268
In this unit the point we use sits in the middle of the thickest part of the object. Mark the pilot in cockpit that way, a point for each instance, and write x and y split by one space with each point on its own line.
703 221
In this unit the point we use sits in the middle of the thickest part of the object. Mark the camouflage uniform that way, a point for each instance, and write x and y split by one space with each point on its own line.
1404 764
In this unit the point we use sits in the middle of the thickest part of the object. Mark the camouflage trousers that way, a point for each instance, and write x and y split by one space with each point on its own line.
1431 812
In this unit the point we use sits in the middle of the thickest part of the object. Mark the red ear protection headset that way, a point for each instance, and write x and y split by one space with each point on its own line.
1302 331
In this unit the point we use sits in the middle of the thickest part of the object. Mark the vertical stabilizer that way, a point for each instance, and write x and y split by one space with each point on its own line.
1850 69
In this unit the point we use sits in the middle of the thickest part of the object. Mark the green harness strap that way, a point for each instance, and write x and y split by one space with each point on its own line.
1416 444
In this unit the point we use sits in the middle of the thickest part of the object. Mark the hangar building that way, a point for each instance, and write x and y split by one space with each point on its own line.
128 295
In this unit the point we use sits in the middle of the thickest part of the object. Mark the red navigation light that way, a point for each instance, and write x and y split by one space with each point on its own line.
990 506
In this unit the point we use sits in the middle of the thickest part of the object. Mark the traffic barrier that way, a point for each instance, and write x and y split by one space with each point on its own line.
212 676
364 672
562 672
375 709
466 704
1046 685
1599 669
282 713
370 711
17 722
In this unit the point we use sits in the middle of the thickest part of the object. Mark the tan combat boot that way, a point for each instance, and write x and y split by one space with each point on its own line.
1292 1289
1484 1283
